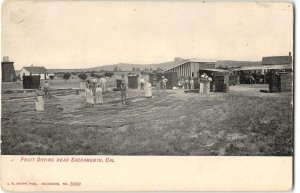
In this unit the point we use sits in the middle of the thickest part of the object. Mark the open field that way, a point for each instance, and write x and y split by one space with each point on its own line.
55 84
242 122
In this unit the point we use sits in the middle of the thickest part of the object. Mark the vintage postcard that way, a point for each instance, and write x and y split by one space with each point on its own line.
147 95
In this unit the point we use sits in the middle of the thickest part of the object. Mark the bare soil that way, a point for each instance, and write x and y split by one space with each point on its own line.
240 123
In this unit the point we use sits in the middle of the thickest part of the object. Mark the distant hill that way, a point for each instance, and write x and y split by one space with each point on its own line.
129 67
163 66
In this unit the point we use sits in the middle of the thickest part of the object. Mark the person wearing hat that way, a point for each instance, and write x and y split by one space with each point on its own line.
89 95
187 83
103 82
201 81
46 88
99 99
39 101
148 87
164 82
123 90
142 83
207 81
192 83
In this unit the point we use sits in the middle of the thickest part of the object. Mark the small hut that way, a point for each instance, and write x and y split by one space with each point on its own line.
31 82
133 81
220 79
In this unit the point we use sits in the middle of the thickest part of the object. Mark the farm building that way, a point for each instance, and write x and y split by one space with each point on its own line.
281 82
172 77
264 68
34 71
277 60
261 74
8 70
191 67
220 79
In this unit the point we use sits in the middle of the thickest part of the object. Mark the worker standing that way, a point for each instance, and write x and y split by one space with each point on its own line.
102 83
201 81
89 95
205 91
164 83
192 83
158 85
123 90
208 85
46 88
148 91
39 101
99 99
187 84
142 83
94 80
179 84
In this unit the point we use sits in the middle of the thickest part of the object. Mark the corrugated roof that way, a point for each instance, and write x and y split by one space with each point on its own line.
36 69
213 70
178 63
273 60
266 67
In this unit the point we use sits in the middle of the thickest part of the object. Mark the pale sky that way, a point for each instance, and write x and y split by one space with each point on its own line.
78 34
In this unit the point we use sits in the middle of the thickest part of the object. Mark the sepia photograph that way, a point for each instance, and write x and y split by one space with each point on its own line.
144 78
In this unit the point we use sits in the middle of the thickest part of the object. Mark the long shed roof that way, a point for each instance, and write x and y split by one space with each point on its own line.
179 63
36 69
264 67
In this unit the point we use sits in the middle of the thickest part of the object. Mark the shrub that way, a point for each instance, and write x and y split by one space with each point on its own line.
82 76
108 74
66 76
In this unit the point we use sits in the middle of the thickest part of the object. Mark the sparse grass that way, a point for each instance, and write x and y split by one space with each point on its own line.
172 123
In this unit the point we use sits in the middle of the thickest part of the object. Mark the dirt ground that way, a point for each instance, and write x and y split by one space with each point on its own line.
242 122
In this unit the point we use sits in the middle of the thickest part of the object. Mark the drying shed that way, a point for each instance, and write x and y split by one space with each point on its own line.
133 81
286 82
281 82
31 82
220 79
190 67
172 77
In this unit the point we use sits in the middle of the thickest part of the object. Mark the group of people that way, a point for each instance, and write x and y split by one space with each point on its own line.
96 87
186 84
93 94
94 90
145 85
204 81
162 84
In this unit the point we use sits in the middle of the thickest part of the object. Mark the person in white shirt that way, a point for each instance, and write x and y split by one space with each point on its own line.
39 101
99 99
102 83
192 83
201 81
187 82
164 83
89 96
208 85
148 91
